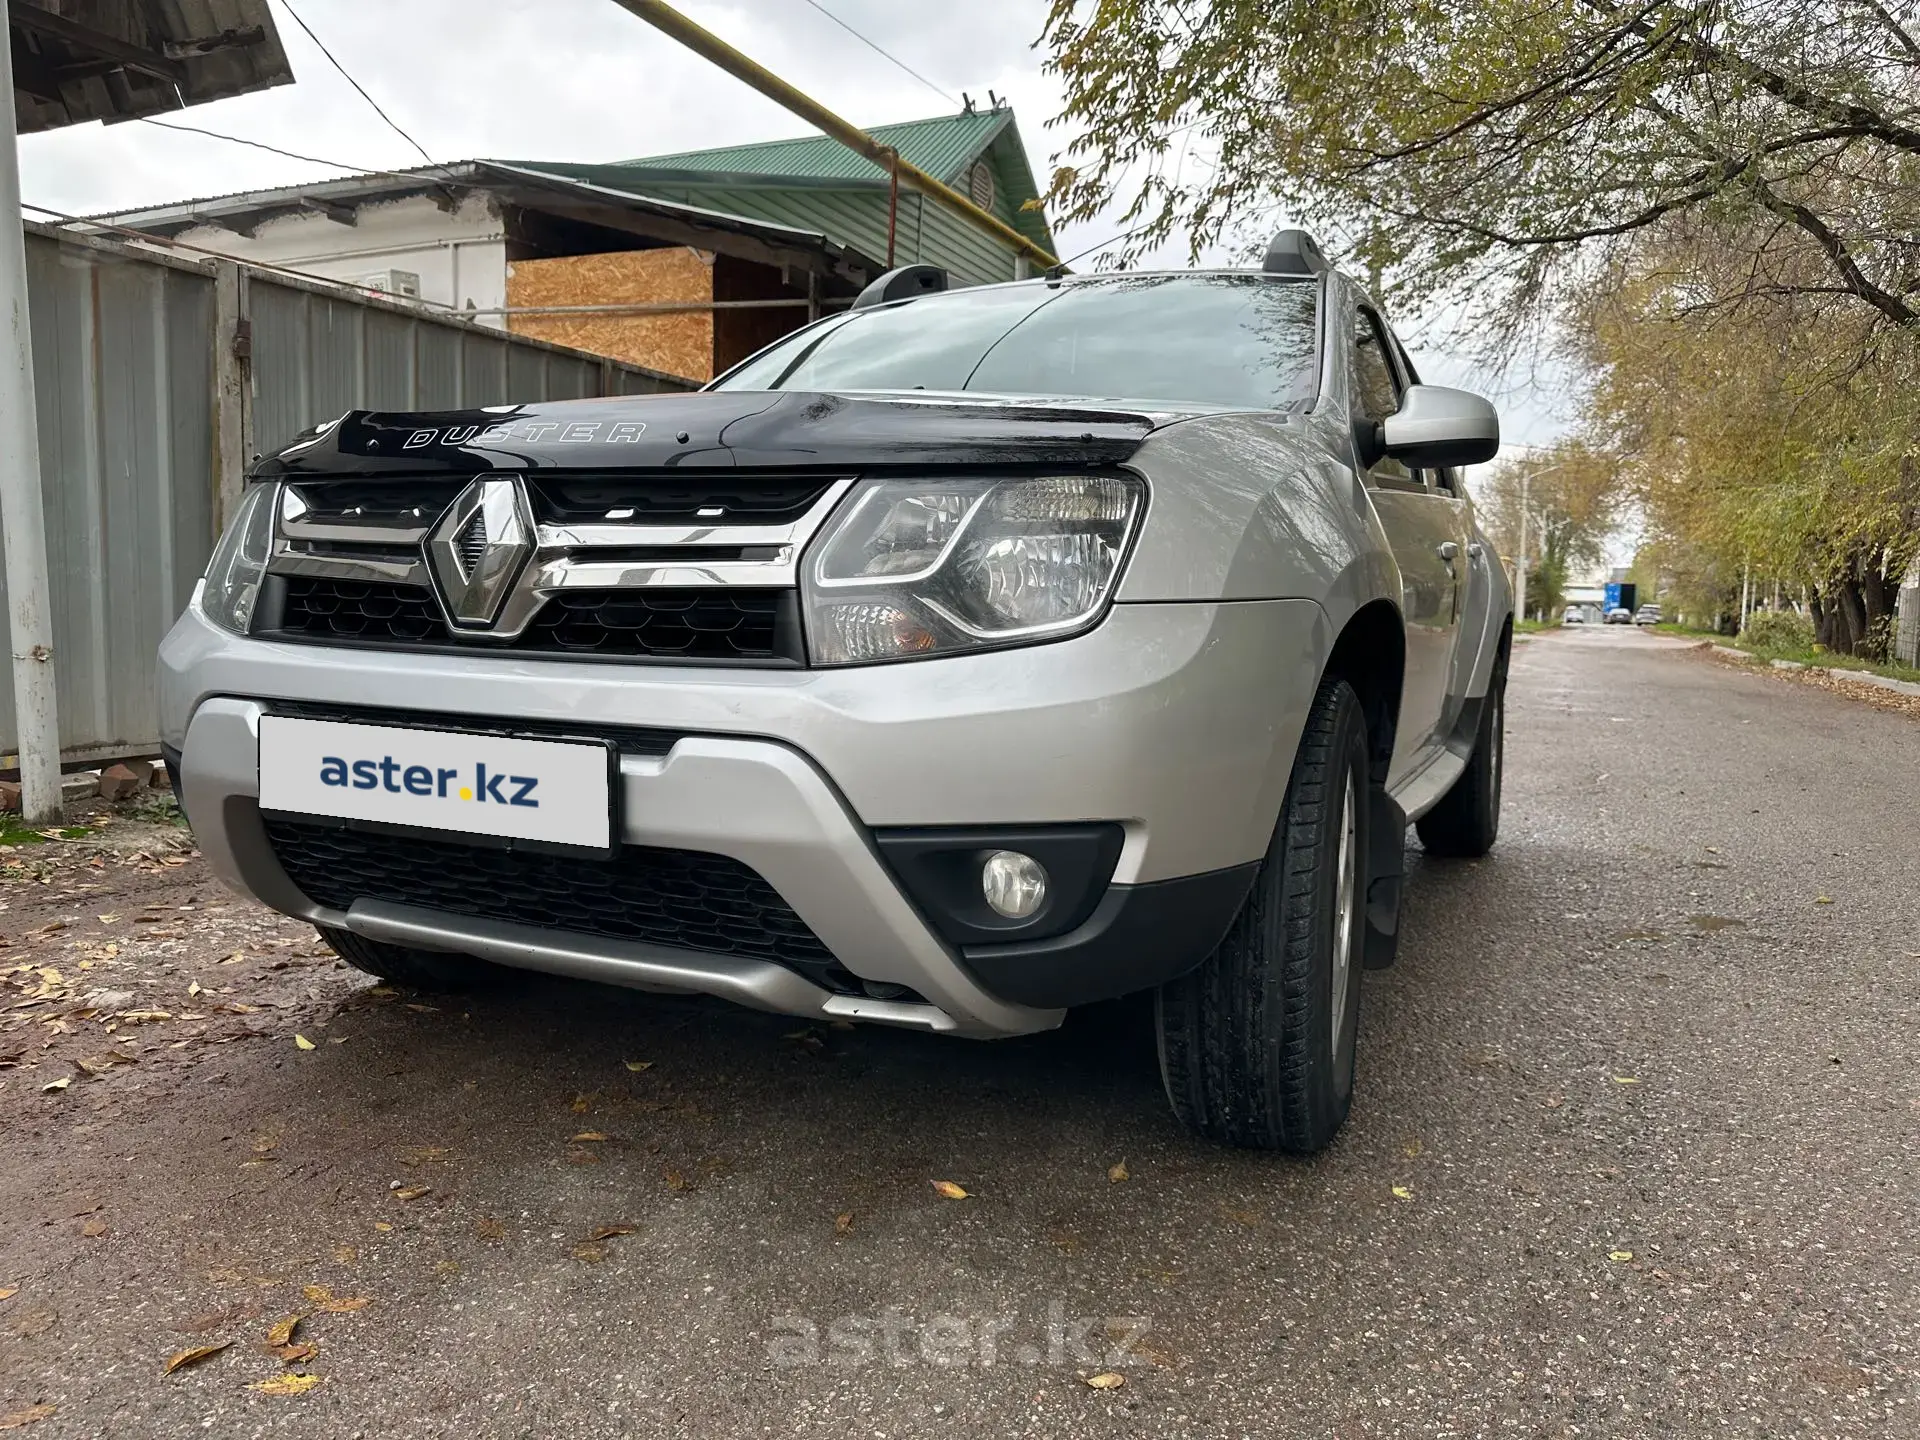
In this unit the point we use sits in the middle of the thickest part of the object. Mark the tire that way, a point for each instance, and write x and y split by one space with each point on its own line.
1466 821
415 969
1257 1044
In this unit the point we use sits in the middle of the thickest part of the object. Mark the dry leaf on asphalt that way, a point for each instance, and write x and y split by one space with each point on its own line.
488 1228
94 1229
950 1190
26 1417
675 1180
1626 1079
411 1192
382 1226
1401 1192
303 1042
9 1293
1620 1256
281 1331
60 1084
1107 1380
1117 1173
181 1359
325 1299
296 1354
286 1384
592 1254
607 1232
638 1065
580 1104
843 1223
346 1254
591 1135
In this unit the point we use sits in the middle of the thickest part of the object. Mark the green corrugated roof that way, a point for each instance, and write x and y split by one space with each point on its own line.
943 147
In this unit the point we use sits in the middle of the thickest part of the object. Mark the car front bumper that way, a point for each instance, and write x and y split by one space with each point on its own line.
1178 722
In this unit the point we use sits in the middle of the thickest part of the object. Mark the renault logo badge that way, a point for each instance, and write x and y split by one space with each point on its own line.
477 549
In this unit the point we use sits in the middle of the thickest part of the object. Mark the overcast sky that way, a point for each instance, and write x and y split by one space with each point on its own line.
582 80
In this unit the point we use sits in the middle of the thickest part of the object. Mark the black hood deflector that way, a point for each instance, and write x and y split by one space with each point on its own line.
726 429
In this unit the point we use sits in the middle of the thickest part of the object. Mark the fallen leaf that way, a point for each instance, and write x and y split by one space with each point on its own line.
675 1180
184 1358
382 1226
325 1300
950 1190
411 1192
843 1223
1401 1192
488 1228
1621 1256
10 1292
592 1254
1107 1380
26 1417
303 1042
108 919
293 1354
580 1105
607 1232
60 1084
1117 1173
281 1331
94 1229
285 1384
591 1135
1822 900
193 988
1626 1079
638 1065
141 1017
345 1254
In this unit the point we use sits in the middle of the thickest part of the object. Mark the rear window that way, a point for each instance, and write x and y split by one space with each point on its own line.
1240 341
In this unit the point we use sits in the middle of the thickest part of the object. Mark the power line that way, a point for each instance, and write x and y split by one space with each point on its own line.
271 149
355 83
878 50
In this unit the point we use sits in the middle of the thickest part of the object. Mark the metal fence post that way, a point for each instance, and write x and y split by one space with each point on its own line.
22 510
232 380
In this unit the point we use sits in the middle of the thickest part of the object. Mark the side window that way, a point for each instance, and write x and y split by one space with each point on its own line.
1376 393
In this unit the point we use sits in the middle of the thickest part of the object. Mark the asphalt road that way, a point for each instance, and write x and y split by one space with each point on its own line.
1633 1153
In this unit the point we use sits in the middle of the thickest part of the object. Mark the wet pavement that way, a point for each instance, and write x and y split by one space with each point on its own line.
1633 1152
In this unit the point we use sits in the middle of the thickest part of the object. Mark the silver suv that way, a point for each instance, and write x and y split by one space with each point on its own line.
958 660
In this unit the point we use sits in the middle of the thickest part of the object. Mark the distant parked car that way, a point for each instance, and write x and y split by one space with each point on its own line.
1647 615
1574 616
1619 615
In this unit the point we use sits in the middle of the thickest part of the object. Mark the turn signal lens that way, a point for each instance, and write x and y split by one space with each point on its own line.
232 584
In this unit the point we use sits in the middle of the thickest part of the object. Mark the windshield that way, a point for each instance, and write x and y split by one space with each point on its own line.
1239 341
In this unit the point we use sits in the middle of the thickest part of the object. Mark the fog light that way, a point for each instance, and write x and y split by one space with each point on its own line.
1015 885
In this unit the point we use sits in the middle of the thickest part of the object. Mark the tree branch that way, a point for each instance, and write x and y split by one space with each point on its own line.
1887 303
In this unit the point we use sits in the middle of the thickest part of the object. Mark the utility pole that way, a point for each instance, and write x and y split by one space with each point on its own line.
1520 564
22 511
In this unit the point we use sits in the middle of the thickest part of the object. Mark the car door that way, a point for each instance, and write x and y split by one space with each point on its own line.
1426 522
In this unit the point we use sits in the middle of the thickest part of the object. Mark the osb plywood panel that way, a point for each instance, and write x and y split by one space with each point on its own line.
678 344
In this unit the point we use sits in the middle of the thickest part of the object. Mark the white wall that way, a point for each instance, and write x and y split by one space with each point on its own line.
461 258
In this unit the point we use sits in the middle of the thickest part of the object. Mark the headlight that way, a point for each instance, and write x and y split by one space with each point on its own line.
927 567
239 562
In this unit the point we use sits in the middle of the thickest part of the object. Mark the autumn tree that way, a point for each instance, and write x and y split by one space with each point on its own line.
1495 150
1572 499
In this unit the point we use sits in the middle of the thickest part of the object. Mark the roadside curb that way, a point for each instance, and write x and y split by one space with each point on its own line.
1905 688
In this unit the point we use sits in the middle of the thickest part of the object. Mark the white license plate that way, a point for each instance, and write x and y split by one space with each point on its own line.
557 791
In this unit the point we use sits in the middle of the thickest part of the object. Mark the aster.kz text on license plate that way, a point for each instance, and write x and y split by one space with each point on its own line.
556 791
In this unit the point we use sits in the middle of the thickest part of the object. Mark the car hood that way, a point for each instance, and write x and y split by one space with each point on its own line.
733 429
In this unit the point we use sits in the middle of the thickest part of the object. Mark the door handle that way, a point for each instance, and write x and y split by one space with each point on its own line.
1448 550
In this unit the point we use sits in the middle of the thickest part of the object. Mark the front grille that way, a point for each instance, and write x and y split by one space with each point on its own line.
693 623
673 499
683 899
698 624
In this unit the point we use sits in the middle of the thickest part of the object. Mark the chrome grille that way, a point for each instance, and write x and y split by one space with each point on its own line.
714 554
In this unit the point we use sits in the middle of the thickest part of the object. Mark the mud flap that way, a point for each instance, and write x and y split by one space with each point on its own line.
1386 867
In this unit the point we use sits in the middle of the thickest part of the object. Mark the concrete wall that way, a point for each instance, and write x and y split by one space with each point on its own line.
461 258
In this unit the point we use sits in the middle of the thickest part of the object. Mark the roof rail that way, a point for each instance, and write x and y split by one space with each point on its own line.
1295 252
909 282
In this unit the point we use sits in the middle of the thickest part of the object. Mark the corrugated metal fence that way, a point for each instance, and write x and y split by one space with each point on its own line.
156 379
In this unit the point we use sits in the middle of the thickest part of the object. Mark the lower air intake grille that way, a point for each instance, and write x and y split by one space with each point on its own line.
668 624
685 899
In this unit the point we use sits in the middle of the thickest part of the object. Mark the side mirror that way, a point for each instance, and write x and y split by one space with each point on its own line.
1437 427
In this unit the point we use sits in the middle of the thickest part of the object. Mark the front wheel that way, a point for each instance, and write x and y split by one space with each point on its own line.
415 969
1256 1046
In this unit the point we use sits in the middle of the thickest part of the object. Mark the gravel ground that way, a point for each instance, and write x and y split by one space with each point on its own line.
1633 1152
